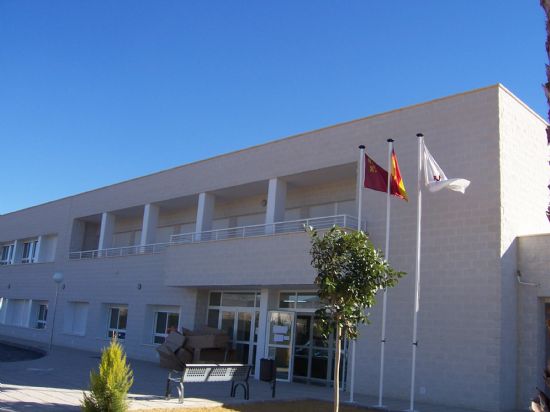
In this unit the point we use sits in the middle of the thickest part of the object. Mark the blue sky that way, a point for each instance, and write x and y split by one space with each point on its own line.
95 92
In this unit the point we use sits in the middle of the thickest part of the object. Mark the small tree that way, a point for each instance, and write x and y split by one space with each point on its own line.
350 271
110 385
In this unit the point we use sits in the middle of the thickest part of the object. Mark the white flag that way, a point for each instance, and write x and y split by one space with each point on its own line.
435 178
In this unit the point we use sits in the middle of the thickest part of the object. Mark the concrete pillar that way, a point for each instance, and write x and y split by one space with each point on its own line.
150 223
107 230
17 252
261 349
205 212
37 252
276 201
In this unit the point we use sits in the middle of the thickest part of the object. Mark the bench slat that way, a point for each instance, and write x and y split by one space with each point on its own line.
237 374
216 372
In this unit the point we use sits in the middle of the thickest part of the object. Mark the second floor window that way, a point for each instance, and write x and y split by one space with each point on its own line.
29 251
7 255
118 317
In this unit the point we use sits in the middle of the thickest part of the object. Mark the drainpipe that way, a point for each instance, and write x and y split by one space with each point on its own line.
521 282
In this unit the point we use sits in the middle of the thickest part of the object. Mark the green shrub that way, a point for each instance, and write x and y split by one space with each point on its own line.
110 385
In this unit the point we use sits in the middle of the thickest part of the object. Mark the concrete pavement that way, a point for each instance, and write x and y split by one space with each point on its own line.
56 382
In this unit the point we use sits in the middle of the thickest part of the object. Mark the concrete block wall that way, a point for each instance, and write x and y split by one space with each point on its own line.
524 197
467 332
99 282
320 194
458 356
177 217
267 260
532 331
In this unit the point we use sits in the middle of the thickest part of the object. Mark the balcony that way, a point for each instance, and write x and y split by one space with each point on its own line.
266 229
120 251
278 228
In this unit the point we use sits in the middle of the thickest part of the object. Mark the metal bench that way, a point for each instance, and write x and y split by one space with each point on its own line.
237 374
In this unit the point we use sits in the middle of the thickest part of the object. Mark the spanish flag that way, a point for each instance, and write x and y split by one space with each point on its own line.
397 185
376 178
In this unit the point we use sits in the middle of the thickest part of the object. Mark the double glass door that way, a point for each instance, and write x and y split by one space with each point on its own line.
300 351
241 325
312 353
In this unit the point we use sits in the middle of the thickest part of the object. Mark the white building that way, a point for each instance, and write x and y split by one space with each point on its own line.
220 242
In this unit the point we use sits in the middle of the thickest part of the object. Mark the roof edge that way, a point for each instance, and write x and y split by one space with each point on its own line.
295 136
521 102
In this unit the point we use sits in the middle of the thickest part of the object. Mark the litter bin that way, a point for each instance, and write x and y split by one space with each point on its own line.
268 373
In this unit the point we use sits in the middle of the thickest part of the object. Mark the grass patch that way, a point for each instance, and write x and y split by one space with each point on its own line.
270 406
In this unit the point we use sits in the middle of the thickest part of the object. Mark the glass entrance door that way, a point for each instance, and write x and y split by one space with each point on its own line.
237 313
280 342
241 326
313 354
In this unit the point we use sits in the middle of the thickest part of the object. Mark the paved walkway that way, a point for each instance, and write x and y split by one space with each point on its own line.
56 381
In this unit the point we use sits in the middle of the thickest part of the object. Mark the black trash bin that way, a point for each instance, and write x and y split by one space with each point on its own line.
268 373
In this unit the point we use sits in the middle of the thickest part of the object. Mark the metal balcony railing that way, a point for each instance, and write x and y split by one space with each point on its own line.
120 251
269 229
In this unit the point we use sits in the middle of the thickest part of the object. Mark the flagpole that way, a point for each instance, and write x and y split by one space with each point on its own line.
360 178
385 296
417 268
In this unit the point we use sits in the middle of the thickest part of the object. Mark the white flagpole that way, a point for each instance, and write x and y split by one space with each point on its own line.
360 178
385 298
417 268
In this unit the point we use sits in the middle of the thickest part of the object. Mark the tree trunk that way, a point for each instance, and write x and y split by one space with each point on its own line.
337 369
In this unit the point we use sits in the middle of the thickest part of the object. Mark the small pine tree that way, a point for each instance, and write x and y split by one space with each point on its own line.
110 385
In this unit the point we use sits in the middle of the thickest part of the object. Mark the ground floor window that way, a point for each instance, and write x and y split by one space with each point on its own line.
17 312
165 322
39 314
118 317
75 318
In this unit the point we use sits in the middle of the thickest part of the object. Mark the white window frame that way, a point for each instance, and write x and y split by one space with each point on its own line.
41 322
120 332
155 322
236 310
3 310
18 312
30 256
9 258
293 303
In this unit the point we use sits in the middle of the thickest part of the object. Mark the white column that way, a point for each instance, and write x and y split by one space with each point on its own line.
37 251
276 202
262 330
150 223
107 230
27 314
205 212
17 251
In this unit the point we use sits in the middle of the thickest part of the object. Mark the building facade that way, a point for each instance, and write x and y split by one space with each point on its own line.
220 242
